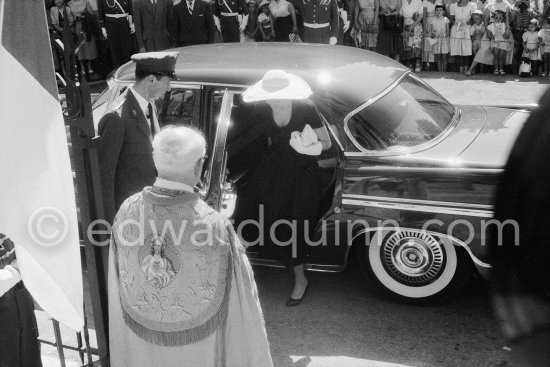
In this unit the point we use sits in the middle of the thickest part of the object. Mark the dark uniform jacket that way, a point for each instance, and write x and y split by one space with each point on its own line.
151 22
196 28
229 6
314 12
109 7
125 154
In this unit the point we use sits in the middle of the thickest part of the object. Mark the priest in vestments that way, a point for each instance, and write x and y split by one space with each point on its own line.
181 289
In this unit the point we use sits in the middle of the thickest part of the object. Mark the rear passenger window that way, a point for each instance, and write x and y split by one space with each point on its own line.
180 106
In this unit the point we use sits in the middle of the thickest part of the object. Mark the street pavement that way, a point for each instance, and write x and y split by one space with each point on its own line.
487 89
344 323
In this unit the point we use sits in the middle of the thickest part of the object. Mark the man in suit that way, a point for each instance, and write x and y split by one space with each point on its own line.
125 148
151 19
193 23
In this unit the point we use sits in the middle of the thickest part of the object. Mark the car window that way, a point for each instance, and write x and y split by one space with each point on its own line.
409 115
180 106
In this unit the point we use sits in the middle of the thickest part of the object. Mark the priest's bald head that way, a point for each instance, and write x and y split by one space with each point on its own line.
179 154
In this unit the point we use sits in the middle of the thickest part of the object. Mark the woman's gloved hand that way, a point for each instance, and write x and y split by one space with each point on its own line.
297 144
308 136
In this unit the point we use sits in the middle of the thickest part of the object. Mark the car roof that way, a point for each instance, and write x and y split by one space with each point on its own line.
349 74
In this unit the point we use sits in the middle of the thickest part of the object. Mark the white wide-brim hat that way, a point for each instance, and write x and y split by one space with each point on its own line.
278 84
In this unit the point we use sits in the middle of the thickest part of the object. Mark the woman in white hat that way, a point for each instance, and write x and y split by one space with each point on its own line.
287 179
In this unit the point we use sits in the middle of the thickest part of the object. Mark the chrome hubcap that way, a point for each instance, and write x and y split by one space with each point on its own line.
413 258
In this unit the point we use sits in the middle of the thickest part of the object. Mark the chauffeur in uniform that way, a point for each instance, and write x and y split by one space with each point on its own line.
229 11
115 17
320 20
126 133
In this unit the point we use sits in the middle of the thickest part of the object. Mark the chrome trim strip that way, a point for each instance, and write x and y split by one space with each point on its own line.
320 268
437 234
420 202
447 170
365 105
331 131
386 153
420 208
218 149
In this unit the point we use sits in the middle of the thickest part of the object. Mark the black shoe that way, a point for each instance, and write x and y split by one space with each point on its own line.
291 302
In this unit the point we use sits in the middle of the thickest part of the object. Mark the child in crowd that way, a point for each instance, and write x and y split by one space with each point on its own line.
428 55
544 40
412 17
477 32
440 31
265 21
251 29
499 33
531 45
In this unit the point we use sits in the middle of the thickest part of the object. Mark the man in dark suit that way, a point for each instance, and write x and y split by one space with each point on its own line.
126 133
151 19
193 23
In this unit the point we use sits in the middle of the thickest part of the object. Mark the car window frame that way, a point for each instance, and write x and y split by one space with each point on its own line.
406 150
197 104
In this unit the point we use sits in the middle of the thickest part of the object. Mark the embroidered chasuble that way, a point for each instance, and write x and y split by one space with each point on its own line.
181 290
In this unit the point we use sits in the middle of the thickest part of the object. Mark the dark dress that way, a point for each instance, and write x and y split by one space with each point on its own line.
283 27
288 186
19 346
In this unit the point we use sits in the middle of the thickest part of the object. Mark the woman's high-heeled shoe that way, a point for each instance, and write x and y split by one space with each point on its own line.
291 302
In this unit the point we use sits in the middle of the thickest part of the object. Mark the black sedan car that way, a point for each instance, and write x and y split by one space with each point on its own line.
409 179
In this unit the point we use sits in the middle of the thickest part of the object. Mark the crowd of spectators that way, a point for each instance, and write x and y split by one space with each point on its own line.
445 35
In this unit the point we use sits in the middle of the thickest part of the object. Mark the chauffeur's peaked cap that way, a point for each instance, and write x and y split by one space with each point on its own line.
160 63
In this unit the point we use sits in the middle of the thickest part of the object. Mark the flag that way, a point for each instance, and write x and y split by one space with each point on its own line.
37 201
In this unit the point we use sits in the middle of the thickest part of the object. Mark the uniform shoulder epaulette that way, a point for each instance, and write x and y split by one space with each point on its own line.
117 107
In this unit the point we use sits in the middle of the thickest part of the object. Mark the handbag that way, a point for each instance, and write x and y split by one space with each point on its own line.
525 69
393 23
294 38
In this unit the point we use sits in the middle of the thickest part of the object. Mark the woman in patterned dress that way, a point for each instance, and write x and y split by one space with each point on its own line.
366 18
412 12
461 42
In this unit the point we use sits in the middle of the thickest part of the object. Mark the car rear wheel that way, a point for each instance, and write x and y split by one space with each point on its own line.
414 265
